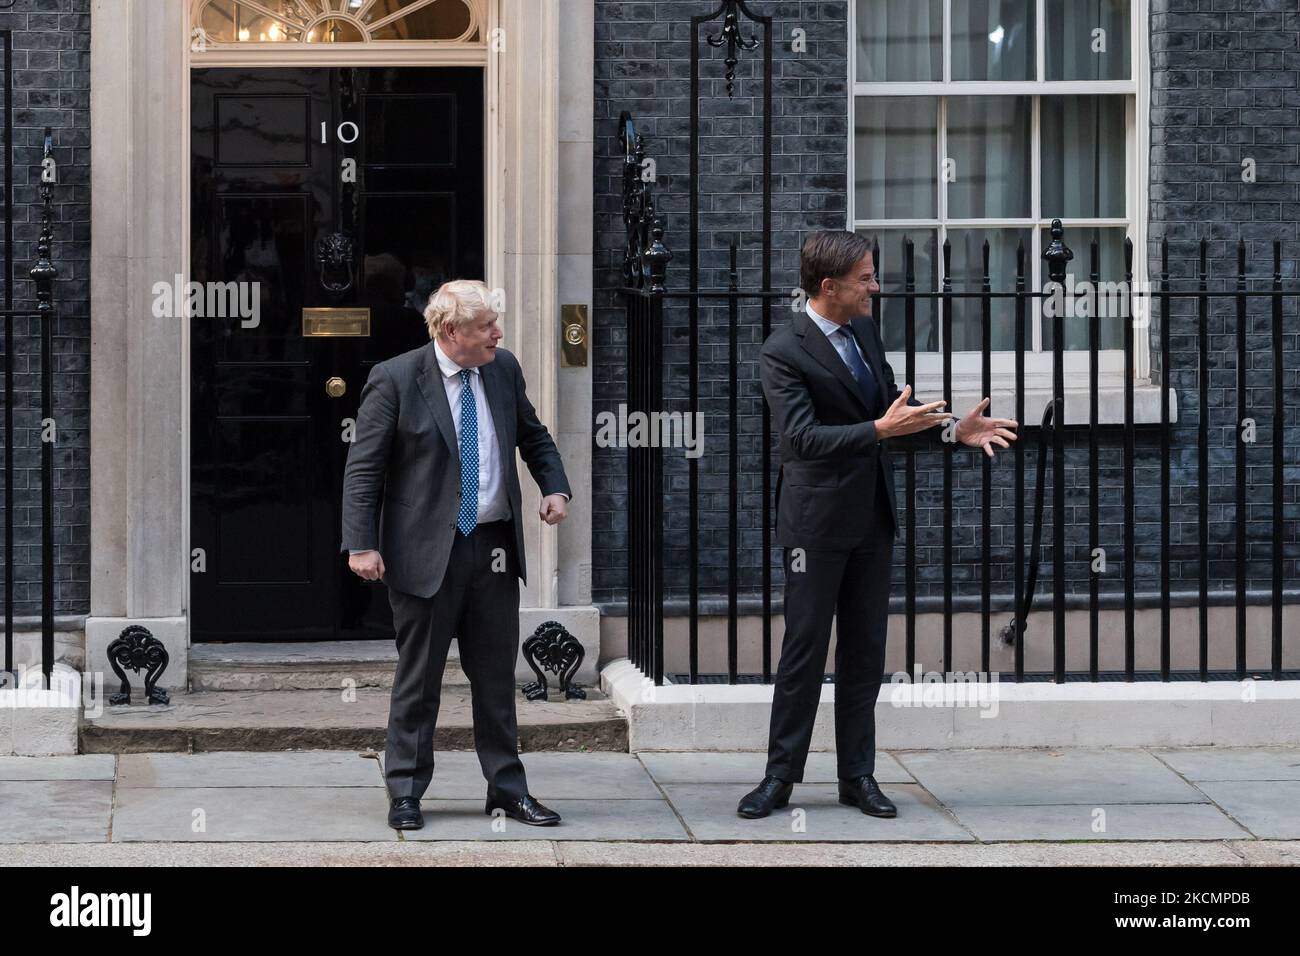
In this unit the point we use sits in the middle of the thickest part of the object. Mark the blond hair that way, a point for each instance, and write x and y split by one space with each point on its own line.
455 304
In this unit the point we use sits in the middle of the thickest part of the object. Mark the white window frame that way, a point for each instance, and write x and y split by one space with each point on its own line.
966 365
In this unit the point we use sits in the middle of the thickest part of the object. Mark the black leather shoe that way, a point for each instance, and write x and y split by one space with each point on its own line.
862 792
772 794
525 809
404 814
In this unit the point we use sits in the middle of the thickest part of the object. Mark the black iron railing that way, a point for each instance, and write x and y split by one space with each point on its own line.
645 296
43 275
719 352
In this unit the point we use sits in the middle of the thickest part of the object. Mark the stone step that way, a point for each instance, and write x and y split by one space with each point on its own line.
328 720
306 666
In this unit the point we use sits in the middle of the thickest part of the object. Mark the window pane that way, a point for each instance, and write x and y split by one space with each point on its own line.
993 40
900 40
1083 157
895 165
968 276
892 276
1111 299
1087 40
440 20
989 143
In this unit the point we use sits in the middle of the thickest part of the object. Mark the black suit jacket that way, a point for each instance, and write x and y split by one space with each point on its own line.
831 459
401 485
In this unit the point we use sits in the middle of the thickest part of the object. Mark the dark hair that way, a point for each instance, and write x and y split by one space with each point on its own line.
829 254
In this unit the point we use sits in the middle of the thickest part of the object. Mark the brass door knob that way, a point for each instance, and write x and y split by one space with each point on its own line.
335 387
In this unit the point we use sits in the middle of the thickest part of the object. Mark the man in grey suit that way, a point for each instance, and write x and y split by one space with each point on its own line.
834 401
431 505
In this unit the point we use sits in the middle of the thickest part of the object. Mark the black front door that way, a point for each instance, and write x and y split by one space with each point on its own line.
274 390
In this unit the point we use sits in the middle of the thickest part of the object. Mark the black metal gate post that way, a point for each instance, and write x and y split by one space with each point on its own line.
43 275
645 264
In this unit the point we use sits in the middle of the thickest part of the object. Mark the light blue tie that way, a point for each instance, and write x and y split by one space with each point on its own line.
468 517
859 369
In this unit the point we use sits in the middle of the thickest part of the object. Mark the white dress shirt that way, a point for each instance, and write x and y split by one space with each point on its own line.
492 502
841 344
493 505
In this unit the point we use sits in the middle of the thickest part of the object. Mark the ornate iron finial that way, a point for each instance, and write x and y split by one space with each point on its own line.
657 257
645 257
553 648
730 35
1057 254
44 273
137 648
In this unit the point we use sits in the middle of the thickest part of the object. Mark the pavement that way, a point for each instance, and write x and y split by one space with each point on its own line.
1073 806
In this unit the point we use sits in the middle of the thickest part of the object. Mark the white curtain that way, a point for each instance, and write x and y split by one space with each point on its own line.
896 162
989 140
1070 26
1083 157
900 40
993 40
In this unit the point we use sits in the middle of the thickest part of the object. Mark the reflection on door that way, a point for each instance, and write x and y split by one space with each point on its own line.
346 195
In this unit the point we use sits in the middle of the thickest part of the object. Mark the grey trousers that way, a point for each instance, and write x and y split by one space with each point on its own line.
478 604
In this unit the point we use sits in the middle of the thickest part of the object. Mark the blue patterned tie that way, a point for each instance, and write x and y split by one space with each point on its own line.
861 372
468 517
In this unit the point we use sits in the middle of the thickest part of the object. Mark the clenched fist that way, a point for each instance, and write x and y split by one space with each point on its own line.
367 564
554 509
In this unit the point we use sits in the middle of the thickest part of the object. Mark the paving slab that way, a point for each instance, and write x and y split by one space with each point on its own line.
544 853
1131 821
1093 776
299 768
457 775
746 769
1269 852
251 814
55 811
61 767
387 853
581 820
1269 809
814 815
898 854
1234 763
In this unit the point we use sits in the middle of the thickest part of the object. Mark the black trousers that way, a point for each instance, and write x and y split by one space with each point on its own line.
478 604
851 585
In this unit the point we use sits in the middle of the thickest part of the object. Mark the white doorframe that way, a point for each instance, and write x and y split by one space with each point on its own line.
140 363
297 55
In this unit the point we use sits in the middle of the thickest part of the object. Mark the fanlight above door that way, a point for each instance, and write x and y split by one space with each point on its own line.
234 22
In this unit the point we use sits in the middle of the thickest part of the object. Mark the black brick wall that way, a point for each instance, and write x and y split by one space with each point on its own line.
51 87
1225 85
643 65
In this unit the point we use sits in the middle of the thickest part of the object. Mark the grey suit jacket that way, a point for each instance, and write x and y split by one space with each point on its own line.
401 486
831 460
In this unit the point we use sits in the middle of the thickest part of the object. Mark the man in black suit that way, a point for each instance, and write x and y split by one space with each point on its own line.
833 397
431 505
